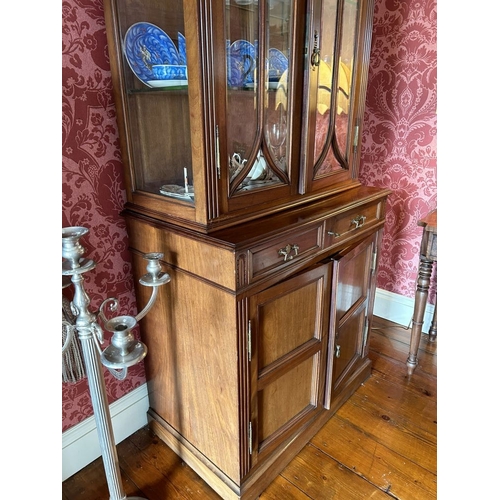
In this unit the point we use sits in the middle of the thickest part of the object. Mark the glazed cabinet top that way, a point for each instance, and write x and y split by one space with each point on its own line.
234 109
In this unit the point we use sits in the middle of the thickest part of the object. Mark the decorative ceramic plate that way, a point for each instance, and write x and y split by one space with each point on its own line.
278 62
240 64
144 45
167 83
181 41
179 192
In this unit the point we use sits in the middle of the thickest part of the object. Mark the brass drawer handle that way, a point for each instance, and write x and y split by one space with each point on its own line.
358 221
289 252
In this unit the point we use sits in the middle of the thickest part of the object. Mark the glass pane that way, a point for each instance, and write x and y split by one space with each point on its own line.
257 111
156 81
335 72
344 82
241 28
278 50
325 40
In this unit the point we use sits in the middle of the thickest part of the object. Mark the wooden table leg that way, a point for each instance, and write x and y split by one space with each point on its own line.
421 293
434 325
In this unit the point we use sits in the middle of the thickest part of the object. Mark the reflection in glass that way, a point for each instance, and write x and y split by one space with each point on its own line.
276 133
333 108
345 72
257 110
242 70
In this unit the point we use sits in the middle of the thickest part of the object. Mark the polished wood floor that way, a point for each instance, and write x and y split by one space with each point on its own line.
381 444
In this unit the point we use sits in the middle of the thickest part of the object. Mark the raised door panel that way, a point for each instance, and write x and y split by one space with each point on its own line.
288 324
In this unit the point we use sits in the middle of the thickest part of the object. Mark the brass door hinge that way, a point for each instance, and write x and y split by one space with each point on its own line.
374 261
250 436
249 340
356 138
217 151
365 333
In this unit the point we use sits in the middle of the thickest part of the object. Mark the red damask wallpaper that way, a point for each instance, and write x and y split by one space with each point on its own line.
93 190
398 151
399 137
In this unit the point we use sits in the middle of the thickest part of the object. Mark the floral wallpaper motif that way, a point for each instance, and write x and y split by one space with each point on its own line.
398 152
93 190
399 137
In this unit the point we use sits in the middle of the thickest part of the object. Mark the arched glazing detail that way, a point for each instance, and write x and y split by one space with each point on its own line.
257 55
334 108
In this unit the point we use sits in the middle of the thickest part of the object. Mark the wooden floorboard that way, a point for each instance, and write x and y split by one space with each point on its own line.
381 444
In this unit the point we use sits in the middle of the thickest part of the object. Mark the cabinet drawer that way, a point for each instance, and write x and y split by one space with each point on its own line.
348 224
284 250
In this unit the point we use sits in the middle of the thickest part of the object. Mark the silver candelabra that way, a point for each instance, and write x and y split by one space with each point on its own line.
123 351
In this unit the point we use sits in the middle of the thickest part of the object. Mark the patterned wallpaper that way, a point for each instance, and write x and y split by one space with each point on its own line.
93 189
399 136
398 151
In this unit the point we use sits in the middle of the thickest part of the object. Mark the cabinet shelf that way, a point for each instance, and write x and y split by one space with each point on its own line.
160 90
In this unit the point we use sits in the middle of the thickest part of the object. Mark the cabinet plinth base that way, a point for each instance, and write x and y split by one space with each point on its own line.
265 473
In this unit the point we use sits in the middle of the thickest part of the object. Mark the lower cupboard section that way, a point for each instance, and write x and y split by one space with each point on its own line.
240 379
263 475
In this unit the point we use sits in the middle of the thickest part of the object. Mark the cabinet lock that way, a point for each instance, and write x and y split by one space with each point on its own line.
315 56
289 252
358 221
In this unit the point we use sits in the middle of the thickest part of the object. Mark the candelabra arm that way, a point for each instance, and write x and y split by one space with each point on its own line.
113 307
119 374
154 278
149 305
70 329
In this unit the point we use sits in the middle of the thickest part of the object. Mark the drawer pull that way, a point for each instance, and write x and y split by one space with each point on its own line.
337 351
358 221
333 233
287 252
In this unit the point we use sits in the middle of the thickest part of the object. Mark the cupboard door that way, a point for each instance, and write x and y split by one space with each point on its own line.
351 307
335 97
288 325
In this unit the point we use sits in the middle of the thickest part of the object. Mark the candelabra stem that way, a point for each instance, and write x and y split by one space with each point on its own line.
102 415
124 350
86 324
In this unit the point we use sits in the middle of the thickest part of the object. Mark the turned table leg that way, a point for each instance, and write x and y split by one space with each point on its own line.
434 325
423 282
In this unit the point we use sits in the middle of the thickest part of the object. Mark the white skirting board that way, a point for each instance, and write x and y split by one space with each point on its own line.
399 309
80 444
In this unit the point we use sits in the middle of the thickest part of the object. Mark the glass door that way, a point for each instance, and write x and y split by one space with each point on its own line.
332 62
155 83
257 141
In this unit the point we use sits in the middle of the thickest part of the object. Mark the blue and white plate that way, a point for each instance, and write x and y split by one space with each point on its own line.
240 63
181 41
278 63
145 45
163 84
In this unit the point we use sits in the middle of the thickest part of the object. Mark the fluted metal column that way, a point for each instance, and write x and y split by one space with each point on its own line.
124 350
